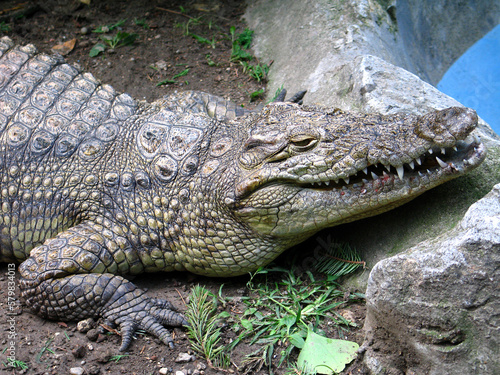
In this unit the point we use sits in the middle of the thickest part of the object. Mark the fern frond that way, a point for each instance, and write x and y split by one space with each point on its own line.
338 259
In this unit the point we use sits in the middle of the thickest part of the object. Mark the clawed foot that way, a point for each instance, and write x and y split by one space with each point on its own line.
135 311
297 98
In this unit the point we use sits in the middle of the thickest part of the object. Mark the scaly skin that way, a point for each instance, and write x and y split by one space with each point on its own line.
95 185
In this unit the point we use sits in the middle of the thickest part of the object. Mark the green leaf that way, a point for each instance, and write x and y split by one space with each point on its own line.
97 49
288 321
224 315
125 39
297 340
247 324
181 74
326 356
250 311
166 81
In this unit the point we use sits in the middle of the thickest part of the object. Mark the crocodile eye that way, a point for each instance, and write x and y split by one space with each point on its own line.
303 142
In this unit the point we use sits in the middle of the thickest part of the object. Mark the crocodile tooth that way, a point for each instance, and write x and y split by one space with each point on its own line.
327 183
428 171
455 148
401 172
441 163
430 151
411 164
443 150
374 176
336 180
365 181
388 167
420 174
346 180
419 162
365 170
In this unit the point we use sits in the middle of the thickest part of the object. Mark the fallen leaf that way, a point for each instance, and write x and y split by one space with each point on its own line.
324 355
65 48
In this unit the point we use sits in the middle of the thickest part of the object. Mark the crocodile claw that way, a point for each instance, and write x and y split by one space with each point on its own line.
297 98
149 314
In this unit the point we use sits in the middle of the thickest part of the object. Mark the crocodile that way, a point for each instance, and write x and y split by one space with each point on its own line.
96 186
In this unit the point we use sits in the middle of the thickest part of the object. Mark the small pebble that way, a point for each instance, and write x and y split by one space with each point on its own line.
184 357
79 352
76 370
164 370
86 325
179 373
93 334
84 30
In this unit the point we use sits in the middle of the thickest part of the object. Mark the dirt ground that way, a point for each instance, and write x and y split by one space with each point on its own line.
162 51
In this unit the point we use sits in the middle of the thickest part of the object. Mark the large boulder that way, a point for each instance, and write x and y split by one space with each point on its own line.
308 40
434 309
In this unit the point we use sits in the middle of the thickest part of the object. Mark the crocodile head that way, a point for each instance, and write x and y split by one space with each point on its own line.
304 168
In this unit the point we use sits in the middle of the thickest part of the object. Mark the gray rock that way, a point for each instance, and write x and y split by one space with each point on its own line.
434 309
311 40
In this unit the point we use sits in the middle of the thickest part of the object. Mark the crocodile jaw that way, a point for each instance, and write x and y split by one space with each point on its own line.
277 203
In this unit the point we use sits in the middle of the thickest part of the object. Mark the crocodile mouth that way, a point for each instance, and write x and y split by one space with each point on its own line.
433 167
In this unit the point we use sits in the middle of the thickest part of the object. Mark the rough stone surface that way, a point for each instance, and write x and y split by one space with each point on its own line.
312 39
441 299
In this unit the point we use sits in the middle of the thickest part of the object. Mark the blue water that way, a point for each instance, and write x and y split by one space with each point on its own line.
474 79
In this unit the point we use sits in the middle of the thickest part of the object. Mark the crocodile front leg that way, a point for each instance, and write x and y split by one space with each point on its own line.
73 277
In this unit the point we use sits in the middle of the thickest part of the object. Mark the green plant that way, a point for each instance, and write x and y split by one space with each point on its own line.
45 348
142 23
210 62
203 333
254 95
337 259
284 312
186 25
117 357
107 28
173 79
120 39
203 40
257 72
15 363
4 28
240 44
